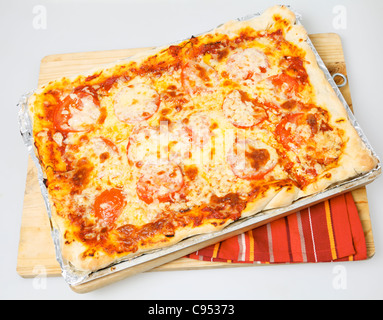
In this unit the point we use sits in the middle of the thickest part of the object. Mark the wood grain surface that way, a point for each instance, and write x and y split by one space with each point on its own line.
36 251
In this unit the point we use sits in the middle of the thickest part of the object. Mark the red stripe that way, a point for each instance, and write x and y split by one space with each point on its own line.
229 249
356 229
261 245
341 226
288 239
280 243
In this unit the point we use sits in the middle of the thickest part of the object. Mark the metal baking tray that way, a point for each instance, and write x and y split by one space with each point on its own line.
124 268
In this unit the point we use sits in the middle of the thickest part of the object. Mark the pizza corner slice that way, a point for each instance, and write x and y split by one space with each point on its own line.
187 138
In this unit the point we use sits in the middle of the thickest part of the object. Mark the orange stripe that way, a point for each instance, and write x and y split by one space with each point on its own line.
330 229
251 245
215 251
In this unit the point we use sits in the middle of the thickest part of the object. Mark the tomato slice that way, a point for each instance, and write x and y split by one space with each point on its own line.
285 84
309 136
77 112
247 65
109 205
159 182
288 131
62 114
298 129
294 66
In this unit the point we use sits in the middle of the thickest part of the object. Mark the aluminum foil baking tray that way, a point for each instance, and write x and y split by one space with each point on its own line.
155 258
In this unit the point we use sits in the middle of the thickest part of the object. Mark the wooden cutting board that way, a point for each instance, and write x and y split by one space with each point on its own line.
36 252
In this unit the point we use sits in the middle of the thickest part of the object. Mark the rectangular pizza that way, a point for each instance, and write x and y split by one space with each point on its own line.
186 138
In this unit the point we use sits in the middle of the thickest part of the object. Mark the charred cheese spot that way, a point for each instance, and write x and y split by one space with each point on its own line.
257 157
252 159
81 176
198 77
191 171
104 156
228 206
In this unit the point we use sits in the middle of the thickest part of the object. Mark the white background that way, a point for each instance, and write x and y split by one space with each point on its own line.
85 25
